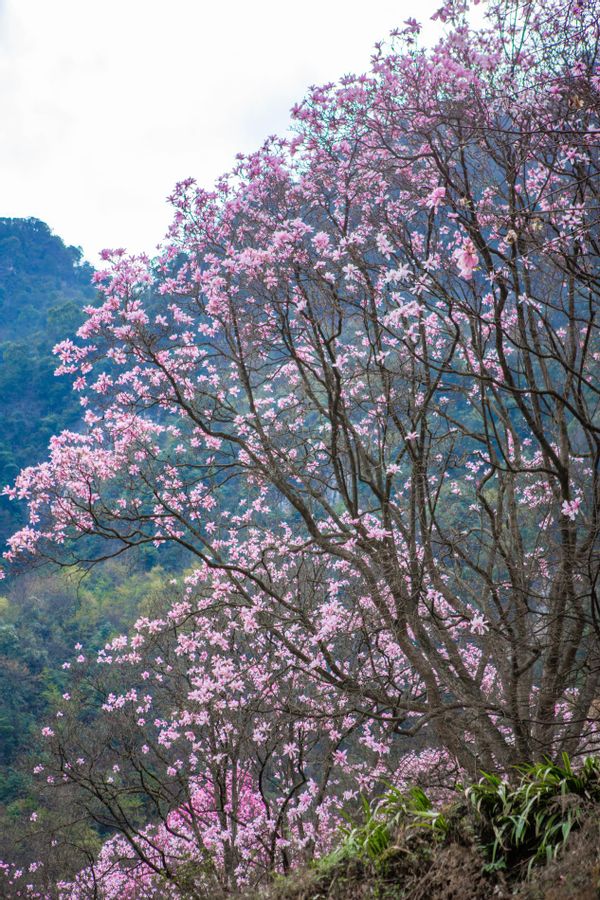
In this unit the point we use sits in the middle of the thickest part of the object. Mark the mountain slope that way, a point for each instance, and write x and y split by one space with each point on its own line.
43 287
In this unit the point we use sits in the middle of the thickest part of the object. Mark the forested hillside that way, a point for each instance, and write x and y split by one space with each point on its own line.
44 286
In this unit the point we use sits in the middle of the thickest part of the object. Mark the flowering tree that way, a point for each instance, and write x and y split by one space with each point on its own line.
365 398
240 765
214 744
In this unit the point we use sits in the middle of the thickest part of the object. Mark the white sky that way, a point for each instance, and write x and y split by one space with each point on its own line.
106 105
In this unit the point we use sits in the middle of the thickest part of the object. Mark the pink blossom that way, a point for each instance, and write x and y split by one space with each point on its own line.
571 508
466 259
436 198
478 624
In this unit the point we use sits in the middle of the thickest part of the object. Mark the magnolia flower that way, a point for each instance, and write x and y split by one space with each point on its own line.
466 259
478 624
436 197
321 241
571 508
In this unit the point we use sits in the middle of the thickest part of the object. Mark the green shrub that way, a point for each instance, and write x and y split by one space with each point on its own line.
531 821
388 814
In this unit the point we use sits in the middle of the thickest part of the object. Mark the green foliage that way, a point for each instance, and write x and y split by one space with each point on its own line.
44 286
42 617
38 272
531 821
390 813
516 825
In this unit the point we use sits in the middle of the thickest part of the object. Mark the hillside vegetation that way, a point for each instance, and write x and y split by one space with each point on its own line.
44 286
537 838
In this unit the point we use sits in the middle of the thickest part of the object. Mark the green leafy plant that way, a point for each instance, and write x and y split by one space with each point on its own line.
393 811
530 822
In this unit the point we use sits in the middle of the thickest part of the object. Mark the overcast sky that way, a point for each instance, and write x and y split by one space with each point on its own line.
105 105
